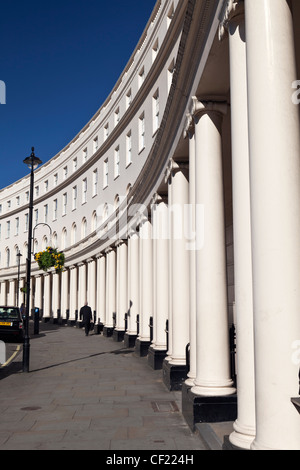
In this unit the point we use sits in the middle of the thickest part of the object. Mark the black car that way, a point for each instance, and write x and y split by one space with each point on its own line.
11 323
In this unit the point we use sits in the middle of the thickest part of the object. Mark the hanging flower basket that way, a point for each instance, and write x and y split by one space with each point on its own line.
50 258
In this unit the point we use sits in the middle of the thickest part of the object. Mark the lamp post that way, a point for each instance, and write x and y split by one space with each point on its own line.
32 162
19 261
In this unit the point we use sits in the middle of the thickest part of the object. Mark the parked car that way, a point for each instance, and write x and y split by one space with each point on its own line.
11 323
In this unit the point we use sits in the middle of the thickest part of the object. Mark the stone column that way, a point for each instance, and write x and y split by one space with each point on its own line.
4 292
12 293
110 291
73 296
275 219
64 297
146 287
133 289
55 296
91 284
82 288
47 297
122 290
244 426
158 349
213 360
38 292
174 367
101 289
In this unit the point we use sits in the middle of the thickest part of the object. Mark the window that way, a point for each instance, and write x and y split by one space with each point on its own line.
65 172
154 50
83 228
95 182
74 203
26 222
65 202
17 225
0 208
27 196
64 238
95 144
36 216
7 257
75 164
84 155
155 110
37 191
55 179
171 70
128 149
117 162
141 132
128 99
8 229
55 209
73 234
18 200
141 77
117 116
8 204
105 173
106 131
84 191
46 214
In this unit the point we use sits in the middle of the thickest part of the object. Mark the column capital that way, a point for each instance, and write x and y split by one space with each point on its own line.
189 129
201 107
232 9
174 167
158 199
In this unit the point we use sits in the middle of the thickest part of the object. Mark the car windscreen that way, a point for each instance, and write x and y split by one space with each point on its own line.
11 313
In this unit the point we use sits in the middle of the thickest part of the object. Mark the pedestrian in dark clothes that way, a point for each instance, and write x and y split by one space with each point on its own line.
86 315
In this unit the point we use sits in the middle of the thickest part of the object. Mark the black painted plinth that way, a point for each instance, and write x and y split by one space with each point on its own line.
201 409
98 328
71 322
296 403
227 445
129 340
156 358
79 324
173 375
108 331
118 335
141 347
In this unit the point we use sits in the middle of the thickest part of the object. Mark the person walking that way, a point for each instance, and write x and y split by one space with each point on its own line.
86 315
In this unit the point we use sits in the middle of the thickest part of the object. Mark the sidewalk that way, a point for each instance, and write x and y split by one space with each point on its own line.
89 393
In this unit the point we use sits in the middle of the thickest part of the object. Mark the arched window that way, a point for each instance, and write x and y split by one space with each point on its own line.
64 238
73 234
94 221
83 228
7 257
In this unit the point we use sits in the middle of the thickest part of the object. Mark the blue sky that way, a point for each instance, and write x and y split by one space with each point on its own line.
59 61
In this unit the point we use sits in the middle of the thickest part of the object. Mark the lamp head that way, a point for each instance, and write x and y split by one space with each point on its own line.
32 161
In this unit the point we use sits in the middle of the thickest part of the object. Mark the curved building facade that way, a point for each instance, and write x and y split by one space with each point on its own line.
178 210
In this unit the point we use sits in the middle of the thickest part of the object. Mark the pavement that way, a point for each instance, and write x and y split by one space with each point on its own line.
91 393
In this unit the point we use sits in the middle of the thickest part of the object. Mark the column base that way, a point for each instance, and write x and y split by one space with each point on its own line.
71 322
174 375
108 331
202 409
98 328
142 347
118 335
227 445
129 340
156 358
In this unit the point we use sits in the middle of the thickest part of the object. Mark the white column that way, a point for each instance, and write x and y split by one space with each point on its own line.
12 292
133 283
275 220
244 427
73 293
101 288
121 297
47 296
146 280
213 357
38 292
82 287
3 292
161 272
55 294
179 327
91 284
190 133
110 287
64 303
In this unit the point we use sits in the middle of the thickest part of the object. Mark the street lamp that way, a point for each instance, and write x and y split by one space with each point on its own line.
32 162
